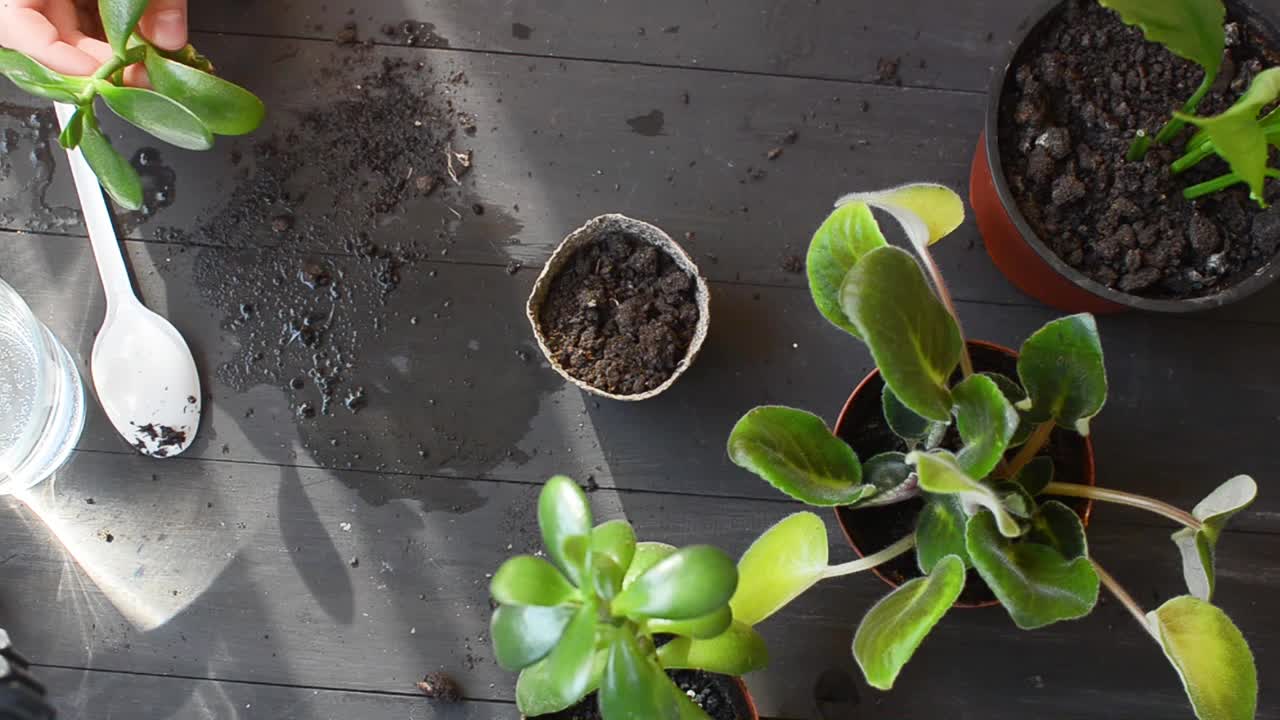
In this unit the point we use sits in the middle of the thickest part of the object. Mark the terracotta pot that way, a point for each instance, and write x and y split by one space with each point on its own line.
1031 265
587 234
857 426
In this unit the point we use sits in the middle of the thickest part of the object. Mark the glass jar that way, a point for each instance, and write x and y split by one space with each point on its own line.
41 397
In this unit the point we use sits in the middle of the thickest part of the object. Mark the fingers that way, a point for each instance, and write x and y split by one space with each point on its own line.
31 33
165 24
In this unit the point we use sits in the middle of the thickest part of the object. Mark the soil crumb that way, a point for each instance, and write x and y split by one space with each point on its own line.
1078 94
621 315
440 686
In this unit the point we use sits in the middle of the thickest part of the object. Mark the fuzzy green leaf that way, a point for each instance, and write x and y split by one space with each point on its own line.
707 626
986 421
1190 29
115 173
788 559
940 532
689 583
1238 136
1034 582
1211 656
1062 369
528 580
795 452
1198 546
847 234
737 651
647 555
1014 393
914 340
1036 475
940 473
891 631
223 107
524 634
1059 527
563 516
166 119
891 476
905 423
927 212
634 687
39 80
537 692
119 18
572 662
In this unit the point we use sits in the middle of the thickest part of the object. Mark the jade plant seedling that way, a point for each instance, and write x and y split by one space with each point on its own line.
1195 30
187 108
972 447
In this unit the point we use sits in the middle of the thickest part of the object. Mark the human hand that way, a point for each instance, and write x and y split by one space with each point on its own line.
65 35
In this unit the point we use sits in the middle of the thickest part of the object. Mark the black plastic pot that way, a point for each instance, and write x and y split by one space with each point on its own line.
1027 261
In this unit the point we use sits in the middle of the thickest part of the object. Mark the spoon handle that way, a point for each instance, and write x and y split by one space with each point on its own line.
102 233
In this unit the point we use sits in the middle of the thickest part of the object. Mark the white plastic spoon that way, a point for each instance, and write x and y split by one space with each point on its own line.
142 368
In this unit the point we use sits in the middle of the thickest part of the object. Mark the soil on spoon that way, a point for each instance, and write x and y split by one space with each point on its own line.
872 529
621 315
1083 86
718 695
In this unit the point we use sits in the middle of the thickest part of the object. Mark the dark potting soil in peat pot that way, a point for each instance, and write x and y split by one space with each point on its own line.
719 696
1078 91
620 315
871 529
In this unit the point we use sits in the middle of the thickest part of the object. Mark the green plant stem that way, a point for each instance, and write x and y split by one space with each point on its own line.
1124 597
1029 449
1138 148
1172 127
1204 149
1221 182
873 560
1120 497
940 285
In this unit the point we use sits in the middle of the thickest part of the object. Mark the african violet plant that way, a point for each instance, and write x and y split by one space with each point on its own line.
971 447
188 107
1195 30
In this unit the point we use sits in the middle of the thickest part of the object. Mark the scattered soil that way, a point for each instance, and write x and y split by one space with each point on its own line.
312 286
165 438
718 695
874 528
1083 86
621 315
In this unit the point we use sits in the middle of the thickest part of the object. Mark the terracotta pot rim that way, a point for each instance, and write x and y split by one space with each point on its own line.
641 230
753 713
1090 470
1261 278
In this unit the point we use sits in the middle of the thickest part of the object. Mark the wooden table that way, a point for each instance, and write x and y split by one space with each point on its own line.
269 573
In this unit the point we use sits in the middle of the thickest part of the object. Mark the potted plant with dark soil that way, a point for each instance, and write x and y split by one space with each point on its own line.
617 628
1123 159
950 456
620 309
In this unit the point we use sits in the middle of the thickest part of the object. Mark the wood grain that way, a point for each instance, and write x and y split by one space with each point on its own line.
308 584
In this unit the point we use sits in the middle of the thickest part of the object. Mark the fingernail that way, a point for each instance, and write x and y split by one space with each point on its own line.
169 28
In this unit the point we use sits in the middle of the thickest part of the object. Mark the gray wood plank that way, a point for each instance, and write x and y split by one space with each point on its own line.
249 573
452 395
936 44
543 167
97 694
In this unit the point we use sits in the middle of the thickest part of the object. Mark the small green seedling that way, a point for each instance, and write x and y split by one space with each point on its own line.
188 107
988 491
1194 30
